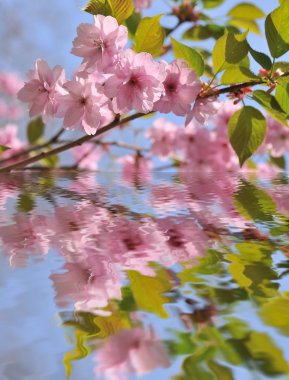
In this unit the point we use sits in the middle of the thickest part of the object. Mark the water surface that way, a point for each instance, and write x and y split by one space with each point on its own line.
179 277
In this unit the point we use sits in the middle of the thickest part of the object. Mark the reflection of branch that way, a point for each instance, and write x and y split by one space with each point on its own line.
65 147
53 140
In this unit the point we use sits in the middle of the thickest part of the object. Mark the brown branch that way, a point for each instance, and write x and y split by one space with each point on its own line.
34 148
65 147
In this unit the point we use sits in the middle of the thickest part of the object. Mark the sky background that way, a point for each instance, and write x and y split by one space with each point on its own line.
45 29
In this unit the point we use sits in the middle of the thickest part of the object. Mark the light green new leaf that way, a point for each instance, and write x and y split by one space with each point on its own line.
250 25
230 49
150 36
98 7
35 130
246 129
261 58
270 104
119 9
246 11
277 31
212 3
190 55
238 74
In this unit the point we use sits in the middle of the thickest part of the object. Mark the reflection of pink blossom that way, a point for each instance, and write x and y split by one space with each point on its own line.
164 137
87 156
135 168
181 89
40 92
136 83
131 352
100 41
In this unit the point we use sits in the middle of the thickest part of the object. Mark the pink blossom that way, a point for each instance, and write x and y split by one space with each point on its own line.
277 139
42 89
10 84
181 89
87 156
164 136
100 41
8 138
141 4
223 116
84 106
136 84
203 110
131 352
135 168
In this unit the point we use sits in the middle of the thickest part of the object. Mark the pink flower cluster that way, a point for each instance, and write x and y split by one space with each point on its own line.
111 80
10 84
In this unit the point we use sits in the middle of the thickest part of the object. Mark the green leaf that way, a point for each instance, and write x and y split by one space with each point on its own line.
250 25
221 372
3 148
132 24
35 130
238 74
212 3
190 55
279 161
98 7
284 66
247 129
203 32
246 11
277 32
119 9
150 36
261 58
229 49
51 161
270 104
282 97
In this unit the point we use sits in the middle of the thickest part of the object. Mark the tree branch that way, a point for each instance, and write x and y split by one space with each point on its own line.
72 144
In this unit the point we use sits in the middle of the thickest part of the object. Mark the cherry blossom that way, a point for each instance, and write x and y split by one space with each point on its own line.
40 92
136 84
87 156
8 138
139 5
84 106
181 89
99 42
277 139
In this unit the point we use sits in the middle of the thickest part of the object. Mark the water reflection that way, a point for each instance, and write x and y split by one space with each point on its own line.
185 277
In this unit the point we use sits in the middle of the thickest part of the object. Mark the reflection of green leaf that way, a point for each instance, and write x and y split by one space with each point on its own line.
254 203
267 356
25 202
276 312
88 327
148 291
252 269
